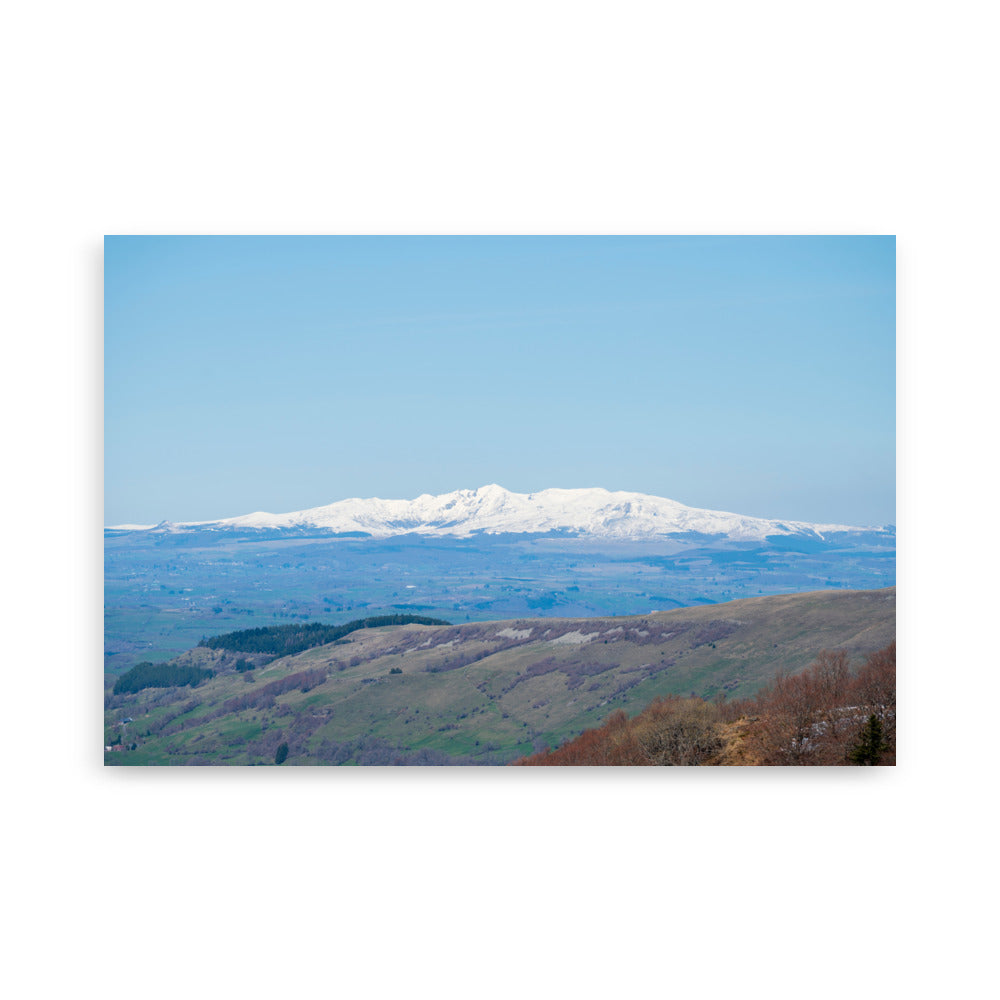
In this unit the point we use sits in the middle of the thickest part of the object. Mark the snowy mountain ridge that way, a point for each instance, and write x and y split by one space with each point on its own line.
492 510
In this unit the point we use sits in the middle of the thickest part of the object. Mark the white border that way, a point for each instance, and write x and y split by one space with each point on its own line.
457 118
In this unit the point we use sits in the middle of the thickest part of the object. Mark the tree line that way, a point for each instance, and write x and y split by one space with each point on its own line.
159 675
286 640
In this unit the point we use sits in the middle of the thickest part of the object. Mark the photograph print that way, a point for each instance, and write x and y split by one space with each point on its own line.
505 501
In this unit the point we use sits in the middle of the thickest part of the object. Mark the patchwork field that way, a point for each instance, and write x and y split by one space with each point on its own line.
164 593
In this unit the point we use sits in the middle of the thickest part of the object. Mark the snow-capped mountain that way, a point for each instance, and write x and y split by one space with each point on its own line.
492 510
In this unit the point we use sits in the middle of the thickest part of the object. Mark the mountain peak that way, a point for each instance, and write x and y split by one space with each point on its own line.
592 512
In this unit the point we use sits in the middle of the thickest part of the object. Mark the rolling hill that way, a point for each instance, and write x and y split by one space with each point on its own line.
482 692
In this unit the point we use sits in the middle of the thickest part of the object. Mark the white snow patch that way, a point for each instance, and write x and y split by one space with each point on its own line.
439 645
514 633
574 639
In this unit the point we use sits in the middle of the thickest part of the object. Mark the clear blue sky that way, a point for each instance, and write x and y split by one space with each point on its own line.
277 373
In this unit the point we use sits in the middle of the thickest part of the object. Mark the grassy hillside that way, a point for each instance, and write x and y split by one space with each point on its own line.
828 715
482 692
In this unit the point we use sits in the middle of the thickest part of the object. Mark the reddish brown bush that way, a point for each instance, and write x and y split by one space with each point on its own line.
812 718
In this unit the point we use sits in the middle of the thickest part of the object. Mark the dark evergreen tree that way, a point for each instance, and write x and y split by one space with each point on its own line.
870 745
281 753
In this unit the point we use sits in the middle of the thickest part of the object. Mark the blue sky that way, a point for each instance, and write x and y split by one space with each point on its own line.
752 374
